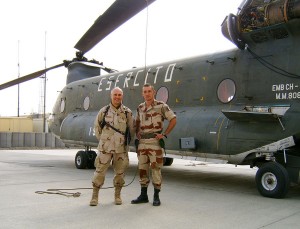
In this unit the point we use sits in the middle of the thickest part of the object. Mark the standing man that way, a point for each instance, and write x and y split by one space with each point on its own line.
113 124
149 128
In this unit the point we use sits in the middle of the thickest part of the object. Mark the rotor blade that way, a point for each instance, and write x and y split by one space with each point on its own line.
118 13
28 77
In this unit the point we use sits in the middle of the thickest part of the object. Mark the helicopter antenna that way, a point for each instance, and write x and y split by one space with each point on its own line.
146 41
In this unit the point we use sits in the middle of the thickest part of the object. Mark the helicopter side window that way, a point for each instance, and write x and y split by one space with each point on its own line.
162 94
86 103
62 105
226 90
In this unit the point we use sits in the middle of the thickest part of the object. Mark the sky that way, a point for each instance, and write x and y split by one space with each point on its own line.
33 31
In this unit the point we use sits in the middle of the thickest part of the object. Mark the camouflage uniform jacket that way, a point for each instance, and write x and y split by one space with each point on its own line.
151 120
110 140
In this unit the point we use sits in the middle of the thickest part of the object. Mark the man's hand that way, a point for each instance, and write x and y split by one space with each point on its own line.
160 136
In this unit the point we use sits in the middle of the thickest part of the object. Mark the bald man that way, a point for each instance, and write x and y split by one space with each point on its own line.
110 126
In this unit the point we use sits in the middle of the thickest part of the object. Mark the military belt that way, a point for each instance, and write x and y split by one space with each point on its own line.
149 135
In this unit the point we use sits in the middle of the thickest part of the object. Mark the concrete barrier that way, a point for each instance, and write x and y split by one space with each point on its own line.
5 139
50 140
40 140
29 139
17 139
21 139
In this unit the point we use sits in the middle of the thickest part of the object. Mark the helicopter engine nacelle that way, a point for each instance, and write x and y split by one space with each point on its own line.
231 32
81 70
256 15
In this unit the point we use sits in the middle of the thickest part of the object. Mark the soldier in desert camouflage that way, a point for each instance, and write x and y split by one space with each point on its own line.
112 125
150 132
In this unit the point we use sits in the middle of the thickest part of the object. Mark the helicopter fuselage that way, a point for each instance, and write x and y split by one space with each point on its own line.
228 105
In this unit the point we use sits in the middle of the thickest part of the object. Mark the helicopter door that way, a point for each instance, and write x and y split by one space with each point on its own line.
215 136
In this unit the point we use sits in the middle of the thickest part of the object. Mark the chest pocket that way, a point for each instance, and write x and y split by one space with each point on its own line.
117 120
121 122
109 119
152 120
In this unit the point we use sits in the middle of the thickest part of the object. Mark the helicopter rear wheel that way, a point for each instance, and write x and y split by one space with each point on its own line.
272 180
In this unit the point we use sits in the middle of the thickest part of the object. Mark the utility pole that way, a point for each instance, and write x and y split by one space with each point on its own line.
45 80
18 77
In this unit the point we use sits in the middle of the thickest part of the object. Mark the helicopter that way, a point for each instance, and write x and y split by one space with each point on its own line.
239 106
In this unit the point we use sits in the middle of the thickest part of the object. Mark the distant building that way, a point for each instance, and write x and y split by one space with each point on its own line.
26 124
26 131
16 124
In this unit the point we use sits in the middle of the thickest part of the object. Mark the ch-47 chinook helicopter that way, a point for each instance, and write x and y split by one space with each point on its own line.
241 106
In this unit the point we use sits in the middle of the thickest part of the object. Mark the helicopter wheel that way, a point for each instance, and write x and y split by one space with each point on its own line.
91 156
168 161
81 160
272 180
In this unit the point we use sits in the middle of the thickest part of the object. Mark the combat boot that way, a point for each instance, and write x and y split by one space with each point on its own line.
143 198
94 200
156 200
118 200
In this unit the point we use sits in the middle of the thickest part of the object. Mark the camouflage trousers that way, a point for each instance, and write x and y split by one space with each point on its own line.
150 155
102 162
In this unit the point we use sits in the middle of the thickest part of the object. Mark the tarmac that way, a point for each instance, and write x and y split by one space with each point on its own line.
194 195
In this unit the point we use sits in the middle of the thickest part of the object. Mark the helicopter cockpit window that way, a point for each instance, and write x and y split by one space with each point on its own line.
86 103
226 90
62 105
162 94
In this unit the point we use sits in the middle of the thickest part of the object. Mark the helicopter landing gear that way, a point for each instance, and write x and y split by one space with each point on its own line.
81 160
91 159
272 180
85 159
168 161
